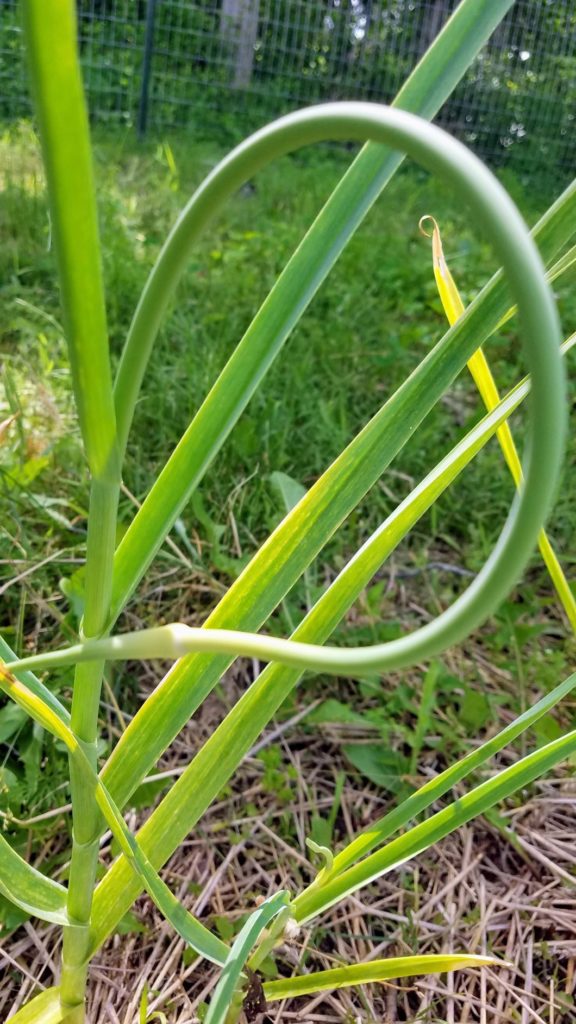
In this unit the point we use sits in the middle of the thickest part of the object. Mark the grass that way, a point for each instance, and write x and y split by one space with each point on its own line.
366 329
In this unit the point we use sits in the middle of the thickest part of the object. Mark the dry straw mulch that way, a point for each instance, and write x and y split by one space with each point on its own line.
482 889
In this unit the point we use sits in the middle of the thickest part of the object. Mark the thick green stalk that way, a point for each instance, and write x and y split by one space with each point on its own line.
62 116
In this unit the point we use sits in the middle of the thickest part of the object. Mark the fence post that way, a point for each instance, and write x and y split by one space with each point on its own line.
146 68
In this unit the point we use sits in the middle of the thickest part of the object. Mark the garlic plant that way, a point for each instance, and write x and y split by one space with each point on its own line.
89 912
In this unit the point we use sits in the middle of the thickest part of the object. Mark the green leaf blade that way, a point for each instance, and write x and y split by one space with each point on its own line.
29 889
446 780
34 685
228 984
419 838
63 119
424 92
43 1009
219 757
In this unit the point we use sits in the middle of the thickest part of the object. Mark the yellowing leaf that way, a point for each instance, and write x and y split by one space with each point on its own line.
482 376
371 972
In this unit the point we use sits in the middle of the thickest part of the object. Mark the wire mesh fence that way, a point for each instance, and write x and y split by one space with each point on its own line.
164 64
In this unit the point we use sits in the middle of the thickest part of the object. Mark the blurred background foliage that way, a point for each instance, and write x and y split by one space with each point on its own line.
251 60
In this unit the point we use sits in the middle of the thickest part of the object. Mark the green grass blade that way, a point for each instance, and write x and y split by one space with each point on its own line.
421 837
424 92
220 756
29 889
63 120
227 986
43 1009
195 934
372 972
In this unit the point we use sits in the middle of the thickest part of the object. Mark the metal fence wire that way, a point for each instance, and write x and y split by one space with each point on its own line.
160 64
